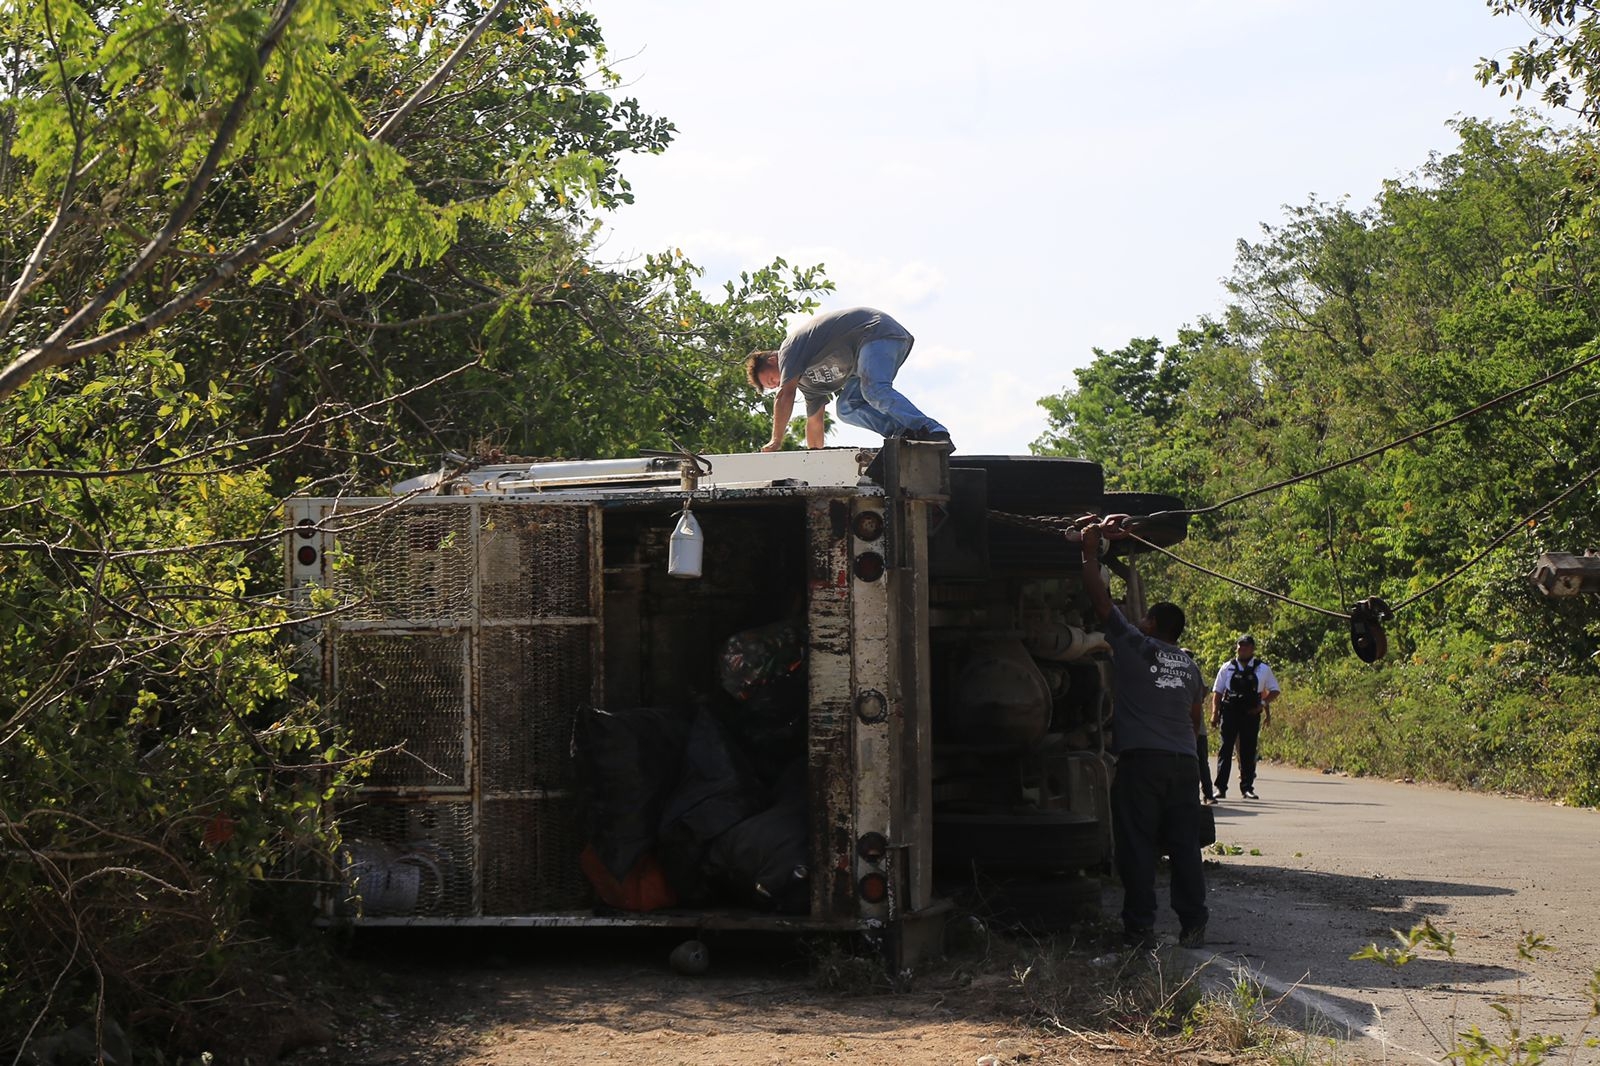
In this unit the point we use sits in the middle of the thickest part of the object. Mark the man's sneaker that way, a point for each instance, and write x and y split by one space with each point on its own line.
928 436
1249 793
1222 793
1139 939
1193 937
1210 801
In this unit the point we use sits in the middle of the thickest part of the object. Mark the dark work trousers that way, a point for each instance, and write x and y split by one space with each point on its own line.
1202 754
1244 725
1155 811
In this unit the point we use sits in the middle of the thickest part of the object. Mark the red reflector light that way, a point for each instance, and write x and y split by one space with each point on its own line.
306 556
869 525
872 846
869 566
874 888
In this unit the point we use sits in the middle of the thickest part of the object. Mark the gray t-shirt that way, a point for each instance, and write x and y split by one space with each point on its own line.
822 353
1156 686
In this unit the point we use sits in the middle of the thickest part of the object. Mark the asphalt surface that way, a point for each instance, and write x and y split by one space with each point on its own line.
1330 864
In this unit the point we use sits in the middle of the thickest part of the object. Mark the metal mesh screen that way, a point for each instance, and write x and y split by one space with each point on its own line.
534 562
456 673
532 680
409 859
406 690
530 856
411 563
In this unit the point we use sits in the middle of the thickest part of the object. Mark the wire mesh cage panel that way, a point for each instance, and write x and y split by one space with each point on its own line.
408 859
531 682
406 691
534 562
530 855
407 564
473 640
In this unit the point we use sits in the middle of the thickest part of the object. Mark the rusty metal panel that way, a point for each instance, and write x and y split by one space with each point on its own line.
535 562
472 639
530 855
830 761
876 736
531 682
914 824
411 858
403 565
406 691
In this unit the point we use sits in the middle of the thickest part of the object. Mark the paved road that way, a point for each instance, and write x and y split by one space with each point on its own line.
1342 861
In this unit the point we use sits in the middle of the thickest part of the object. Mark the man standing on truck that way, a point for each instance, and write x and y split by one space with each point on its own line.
853 354
1241 701
1158 704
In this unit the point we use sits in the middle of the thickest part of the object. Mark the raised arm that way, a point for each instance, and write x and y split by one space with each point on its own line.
1094 581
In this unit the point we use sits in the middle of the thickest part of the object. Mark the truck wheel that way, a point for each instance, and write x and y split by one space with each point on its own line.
1038 485
1035 486
1032 841
1165 531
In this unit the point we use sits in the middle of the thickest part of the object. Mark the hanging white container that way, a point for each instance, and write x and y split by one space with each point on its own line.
686 547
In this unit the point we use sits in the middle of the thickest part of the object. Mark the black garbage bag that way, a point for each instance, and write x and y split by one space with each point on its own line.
765 858
630 762
718 789
763 671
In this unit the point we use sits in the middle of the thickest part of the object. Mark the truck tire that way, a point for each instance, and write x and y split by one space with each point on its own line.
1035 487
1165 531
1037 484
1028 841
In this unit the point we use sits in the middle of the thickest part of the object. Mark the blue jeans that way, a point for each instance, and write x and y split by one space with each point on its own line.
869 399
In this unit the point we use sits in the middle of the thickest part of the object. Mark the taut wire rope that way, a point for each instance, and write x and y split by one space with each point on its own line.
1064 524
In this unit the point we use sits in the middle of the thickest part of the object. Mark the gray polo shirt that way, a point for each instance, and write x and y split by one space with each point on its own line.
822 353
1156 685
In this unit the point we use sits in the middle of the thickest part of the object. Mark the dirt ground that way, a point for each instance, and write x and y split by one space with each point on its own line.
515 999
1301 879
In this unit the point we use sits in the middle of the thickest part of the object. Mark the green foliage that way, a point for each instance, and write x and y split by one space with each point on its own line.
1423 935
1472 1046
1562 60
253 250
156 773
1352 328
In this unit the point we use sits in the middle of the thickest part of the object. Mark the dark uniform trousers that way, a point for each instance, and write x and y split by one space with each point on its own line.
1244 725
1155 811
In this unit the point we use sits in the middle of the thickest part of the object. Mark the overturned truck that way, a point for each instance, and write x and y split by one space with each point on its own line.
811 691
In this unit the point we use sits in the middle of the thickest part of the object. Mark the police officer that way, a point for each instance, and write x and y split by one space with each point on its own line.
1241 701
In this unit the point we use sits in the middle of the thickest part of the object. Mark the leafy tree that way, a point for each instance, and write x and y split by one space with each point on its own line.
256 250
1354 327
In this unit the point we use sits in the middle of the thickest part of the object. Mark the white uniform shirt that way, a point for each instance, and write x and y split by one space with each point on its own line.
1264 678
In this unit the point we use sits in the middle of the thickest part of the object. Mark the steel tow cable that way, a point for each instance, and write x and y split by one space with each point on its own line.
1407 439
1068 525
1054 524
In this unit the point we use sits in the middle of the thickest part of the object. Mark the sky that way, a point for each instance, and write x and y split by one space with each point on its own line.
1022 182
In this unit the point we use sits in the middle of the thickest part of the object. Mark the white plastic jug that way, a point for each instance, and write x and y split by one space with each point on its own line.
686 547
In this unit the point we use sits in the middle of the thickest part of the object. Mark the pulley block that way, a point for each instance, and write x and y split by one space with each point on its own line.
1366 629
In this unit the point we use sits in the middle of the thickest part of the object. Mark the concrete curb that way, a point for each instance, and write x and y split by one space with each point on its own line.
1318 1015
